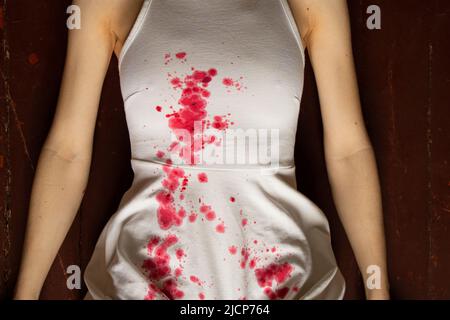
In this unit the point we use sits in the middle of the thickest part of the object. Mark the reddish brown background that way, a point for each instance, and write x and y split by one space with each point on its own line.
404 80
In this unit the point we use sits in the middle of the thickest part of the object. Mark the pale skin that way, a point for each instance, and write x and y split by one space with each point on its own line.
63 167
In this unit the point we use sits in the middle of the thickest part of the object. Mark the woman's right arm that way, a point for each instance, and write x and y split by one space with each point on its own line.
63 167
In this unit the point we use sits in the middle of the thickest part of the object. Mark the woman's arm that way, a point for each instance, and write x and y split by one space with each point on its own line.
63 167
349 154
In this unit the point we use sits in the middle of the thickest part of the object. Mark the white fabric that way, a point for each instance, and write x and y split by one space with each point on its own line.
255 236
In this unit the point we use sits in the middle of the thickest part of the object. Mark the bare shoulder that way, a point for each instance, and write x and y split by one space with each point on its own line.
313 15
114 18
123 14
94 13
301 10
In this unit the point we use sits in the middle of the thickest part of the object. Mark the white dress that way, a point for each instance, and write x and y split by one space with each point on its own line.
212 93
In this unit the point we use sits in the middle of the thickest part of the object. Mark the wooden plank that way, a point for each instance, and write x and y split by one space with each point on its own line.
438 139
5 165
37 52
393 70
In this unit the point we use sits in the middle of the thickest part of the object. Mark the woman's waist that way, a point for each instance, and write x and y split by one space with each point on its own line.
236 151
141 166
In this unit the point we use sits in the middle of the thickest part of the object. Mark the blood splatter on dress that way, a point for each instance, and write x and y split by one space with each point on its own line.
206 216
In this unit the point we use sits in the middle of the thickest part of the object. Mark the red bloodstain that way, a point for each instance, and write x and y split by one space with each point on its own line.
171 290
270 294
211 139
184 184
176 82
232 199
152 243
202 177
273 249
167 213
220 228
196 280
274 271
152 291
244 222
220 123
181 55
208 212
277 294
228 82
192 115
160 154
206 79
252 263
171 184
33 58
184 121
180 253
151 295
192 217
282 292
178 272
231 83
157 265
174 146
205 208
182 212
232 249
245 252
201 296
210 215
212 72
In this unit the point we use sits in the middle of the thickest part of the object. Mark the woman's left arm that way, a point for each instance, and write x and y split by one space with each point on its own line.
349 154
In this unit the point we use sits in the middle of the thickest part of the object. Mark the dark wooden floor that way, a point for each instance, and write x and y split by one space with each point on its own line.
404 78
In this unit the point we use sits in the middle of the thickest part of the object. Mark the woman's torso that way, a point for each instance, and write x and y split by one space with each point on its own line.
212 94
